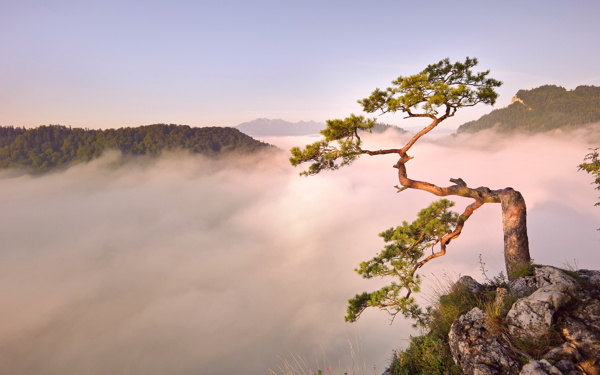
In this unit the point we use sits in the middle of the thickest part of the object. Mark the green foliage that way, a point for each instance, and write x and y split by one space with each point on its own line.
341 141
591 165
522 270
442 86
405 246
430 352
45 147
450 306
380 127
427 354
536 347
541 109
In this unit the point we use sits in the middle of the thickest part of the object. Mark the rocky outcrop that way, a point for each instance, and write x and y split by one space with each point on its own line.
554 307
539 368
533 316
478 348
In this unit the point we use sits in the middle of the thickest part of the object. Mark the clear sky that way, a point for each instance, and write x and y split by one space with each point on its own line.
115 63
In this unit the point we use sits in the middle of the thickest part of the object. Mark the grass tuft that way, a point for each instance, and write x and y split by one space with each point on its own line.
536 347
430 352
319 364
427 354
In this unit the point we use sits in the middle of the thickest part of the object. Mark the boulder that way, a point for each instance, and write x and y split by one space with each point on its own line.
478 348
565 304
564 357
547 275
532 316
586 340
468 283
542 367
523 286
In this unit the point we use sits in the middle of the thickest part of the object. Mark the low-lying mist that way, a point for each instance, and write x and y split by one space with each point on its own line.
186 265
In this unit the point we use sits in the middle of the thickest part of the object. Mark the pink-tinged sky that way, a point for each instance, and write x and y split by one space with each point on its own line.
112 63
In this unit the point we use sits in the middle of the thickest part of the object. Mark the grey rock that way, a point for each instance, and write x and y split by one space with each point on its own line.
478 348
500 300
587 310
586 274
585 340
468 283
595 281
532 316
547 275
523 286
564 357
552 299
542 367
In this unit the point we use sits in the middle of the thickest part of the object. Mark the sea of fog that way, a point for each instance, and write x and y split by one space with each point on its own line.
186 265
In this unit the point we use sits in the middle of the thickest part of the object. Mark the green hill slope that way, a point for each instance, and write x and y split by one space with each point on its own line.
45 147
541 109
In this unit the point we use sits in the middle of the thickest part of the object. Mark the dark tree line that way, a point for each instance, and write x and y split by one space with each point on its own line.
50 146
541 109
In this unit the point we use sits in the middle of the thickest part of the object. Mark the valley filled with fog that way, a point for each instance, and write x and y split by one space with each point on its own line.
189 265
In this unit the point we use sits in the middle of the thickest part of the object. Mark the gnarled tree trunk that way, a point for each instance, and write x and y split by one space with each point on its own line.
514 224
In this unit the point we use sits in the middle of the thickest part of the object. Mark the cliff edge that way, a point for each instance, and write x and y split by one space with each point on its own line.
545 323
557 311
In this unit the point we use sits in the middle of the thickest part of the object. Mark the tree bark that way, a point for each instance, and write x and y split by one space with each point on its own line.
514 224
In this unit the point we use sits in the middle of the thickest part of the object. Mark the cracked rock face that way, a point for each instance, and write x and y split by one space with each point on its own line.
469 283
586 340
477 348
532 316
542 367
545 276
523 286
567 303
564 357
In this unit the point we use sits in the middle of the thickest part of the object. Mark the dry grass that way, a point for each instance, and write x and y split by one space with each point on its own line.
319 364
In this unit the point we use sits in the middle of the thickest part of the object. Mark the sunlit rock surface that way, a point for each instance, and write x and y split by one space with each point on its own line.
564 305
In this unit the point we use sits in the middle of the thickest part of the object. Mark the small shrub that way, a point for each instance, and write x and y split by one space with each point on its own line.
496 308
427 354
525 270
457 302
536 347
430 353
498 281
449 308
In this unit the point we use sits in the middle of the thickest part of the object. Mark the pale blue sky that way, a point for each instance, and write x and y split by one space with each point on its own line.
115 63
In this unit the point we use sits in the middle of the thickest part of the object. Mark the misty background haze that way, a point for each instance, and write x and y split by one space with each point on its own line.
188 265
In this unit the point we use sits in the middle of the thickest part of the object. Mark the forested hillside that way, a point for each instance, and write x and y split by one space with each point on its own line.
541 109
49 146
381 127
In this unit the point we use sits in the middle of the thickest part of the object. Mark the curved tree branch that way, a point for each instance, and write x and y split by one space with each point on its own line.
450 236
483 194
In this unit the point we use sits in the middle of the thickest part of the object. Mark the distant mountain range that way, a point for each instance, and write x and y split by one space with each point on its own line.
537 110
542 109
263 127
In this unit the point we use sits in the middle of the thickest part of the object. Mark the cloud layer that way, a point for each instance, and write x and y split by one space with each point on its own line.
192 266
